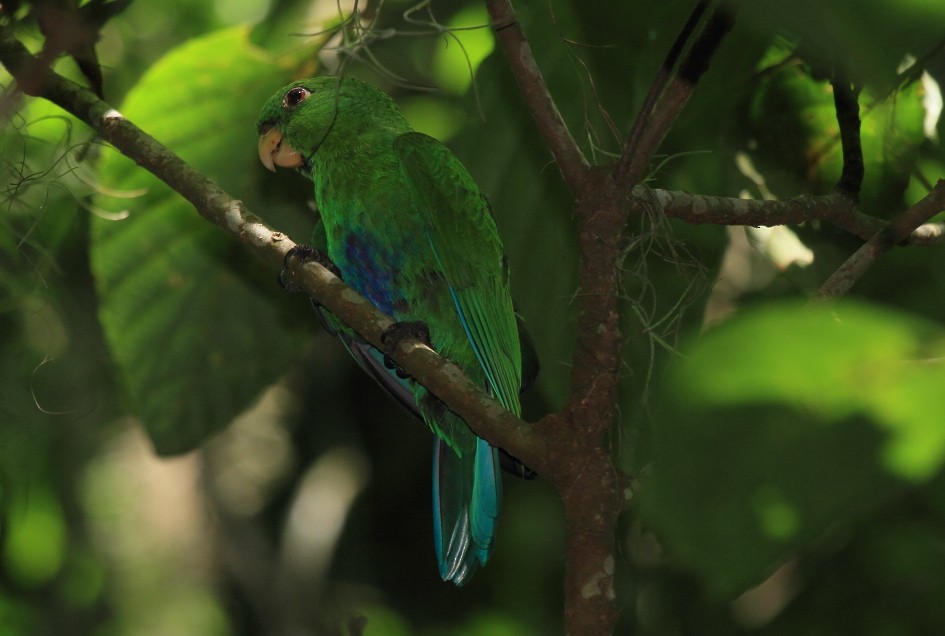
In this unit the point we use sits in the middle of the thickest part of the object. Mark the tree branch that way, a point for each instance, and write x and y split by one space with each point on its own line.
583 471
658 84
901 227
586 479
484 415
848 118
647 135
836 209
568 156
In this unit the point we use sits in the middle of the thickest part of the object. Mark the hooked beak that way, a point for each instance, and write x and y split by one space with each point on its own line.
272 152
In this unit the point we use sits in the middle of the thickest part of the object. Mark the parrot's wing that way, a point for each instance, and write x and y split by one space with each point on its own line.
464 238
371 362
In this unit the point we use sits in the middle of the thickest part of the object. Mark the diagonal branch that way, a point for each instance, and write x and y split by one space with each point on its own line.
654 121
554 131
659 83
898 229
447 381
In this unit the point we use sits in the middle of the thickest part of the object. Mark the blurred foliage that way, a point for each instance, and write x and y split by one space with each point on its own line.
868 436
157 266
788 461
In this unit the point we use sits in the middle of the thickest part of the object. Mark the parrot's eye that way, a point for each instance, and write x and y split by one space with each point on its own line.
295 97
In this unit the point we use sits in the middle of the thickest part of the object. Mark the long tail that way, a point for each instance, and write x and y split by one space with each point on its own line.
467 494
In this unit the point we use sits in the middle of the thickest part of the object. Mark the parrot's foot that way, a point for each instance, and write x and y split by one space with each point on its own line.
304 253
397 332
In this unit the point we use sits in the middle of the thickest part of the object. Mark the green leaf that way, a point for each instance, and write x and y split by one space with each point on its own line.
869 38
35 538
196 331
786 422
467 43
891 133
794 120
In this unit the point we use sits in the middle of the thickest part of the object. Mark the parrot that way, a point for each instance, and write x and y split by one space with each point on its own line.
404 224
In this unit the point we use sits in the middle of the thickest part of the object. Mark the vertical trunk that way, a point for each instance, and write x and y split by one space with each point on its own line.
591 507
588 481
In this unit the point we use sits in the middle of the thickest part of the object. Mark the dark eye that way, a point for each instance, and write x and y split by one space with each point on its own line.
295 97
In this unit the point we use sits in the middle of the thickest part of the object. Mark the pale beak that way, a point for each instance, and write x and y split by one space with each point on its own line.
272 152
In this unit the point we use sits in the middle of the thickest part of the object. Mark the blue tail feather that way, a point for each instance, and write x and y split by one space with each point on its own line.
486 495
467 494
467 491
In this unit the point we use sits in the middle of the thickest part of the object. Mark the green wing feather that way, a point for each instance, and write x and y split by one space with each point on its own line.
463 236
465 242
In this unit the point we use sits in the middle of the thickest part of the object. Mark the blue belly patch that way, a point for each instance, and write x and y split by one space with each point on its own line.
372 269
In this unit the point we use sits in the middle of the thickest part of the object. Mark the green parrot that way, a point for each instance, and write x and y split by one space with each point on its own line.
406 226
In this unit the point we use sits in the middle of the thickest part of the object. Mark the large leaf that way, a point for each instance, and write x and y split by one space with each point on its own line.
787 422
195 330
868 38
794 119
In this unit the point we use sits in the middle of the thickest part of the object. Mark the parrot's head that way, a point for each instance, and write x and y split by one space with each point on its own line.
324 112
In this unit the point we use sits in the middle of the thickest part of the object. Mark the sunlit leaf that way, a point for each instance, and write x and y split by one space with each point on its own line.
196 332
794 120
892 131
466 44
